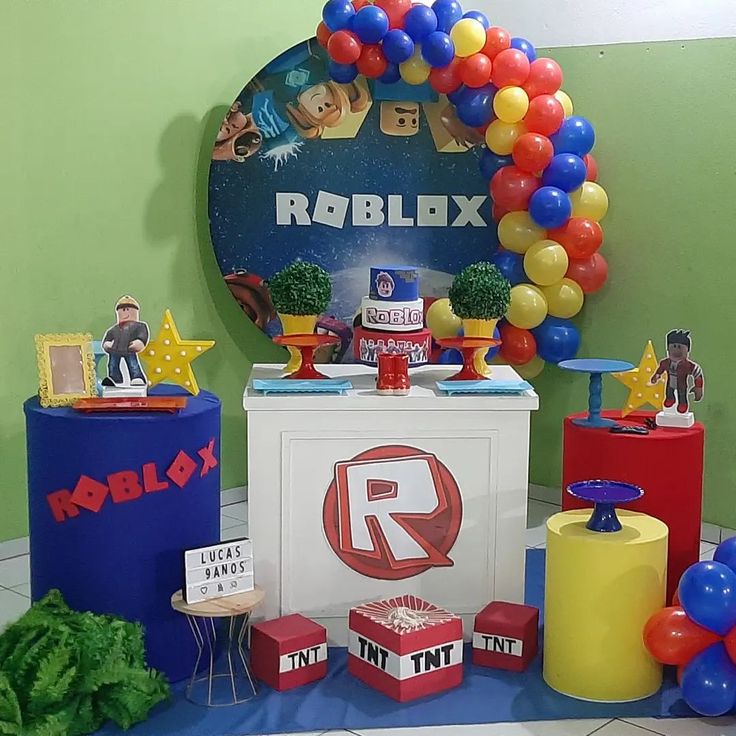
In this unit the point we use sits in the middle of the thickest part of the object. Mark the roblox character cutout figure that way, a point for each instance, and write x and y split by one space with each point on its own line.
399 118
684 377
122 343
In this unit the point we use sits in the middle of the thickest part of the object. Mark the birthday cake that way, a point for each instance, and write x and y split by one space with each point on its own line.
392 317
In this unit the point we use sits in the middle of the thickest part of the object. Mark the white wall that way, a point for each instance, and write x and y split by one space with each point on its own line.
593 22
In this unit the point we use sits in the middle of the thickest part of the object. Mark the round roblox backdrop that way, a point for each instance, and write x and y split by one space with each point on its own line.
346 176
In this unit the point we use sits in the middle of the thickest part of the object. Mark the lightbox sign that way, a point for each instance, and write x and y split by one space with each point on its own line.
346 176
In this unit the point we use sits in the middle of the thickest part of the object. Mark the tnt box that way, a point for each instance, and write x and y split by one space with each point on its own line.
288 652
405 647
505 636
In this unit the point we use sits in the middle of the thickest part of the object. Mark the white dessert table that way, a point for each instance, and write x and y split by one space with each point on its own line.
444 519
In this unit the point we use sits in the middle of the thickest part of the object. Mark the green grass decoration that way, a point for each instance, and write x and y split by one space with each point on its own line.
480 291
64 673
301 288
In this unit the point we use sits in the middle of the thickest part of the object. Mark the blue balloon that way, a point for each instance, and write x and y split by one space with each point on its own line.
491 162
480 17
557 339
438 50
726 553
475 106
342 73
566 171
524 46
397 46
575 136
448 13
391 75
370 24
338 14
458 95
708 595
419 22
450 357
511 265
709 682
550 207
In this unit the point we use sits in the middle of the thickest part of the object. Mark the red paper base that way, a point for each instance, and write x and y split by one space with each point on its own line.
666 463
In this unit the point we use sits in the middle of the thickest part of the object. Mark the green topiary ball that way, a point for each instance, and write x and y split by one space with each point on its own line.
480 291
301 288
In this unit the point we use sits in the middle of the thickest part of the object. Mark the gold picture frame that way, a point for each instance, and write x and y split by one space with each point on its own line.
66 368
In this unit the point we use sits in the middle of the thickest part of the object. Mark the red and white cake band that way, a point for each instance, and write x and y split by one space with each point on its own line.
392 316
368 344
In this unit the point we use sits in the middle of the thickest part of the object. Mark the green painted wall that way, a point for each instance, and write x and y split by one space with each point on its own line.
109 111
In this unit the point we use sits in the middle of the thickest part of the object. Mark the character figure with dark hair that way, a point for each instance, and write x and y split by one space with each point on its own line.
680 369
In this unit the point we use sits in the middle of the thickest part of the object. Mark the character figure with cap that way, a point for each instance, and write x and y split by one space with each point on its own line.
123 341
680 369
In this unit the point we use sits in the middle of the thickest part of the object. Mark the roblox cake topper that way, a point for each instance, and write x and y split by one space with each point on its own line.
384 284
684 378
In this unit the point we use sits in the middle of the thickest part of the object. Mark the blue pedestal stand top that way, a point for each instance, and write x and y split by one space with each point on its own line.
604 494
596 367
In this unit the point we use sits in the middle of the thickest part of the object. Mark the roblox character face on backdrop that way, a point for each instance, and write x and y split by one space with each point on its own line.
399 118
325 105
238 137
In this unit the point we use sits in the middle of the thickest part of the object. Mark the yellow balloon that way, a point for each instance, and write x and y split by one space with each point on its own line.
528 307
564 99
517 231
442 321
531 369
469 37
546 262
564 299
511 104
415 70
589 201
501 136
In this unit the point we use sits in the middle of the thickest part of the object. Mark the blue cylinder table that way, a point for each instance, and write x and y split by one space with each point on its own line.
114 500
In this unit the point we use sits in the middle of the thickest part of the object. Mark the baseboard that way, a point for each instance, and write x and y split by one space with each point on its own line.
20 546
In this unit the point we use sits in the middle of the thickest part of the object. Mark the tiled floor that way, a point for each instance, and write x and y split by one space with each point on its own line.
14 600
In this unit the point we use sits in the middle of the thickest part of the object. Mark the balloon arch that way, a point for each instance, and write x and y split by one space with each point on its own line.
542 177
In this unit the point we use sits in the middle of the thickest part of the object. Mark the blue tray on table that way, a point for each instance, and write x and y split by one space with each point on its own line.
484 386
310 386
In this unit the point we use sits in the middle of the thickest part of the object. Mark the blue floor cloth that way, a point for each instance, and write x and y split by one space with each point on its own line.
342 702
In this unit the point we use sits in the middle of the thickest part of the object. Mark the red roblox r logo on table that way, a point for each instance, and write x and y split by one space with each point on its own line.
130 485
392 512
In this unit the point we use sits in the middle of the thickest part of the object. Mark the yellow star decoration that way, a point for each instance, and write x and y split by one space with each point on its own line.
637 381
169 358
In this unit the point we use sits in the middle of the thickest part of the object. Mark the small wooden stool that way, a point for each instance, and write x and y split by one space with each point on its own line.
205 635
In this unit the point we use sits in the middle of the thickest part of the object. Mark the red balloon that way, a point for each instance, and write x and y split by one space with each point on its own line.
671 637
358 4
533 152
323 34
475 71
371 62
512 188
545 115
545 78
517 346
592 166
580 237
497 213
344 47
446 79
510 68
497 40
730 642
395 10
590 273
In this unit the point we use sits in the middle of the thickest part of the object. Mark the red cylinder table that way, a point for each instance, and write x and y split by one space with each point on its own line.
666 463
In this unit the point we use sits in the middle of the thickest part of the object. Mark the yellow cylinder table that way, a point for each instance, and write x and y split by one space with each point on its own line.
600 590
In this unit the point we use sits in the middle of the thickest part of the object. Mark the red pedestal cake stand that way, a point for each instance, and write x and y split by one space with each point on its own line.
468 346
666 463
306 345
